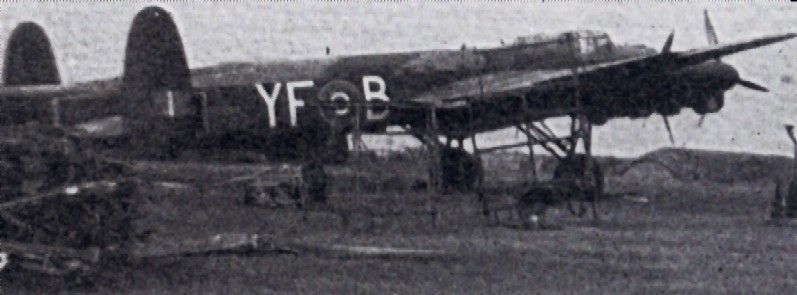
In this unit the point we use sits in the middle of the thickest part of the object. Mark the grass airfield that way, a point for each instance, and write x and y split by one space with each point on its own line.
662 234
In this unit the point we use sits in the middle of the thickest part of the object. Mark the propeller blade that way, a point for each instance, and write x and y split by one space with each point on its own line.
668 43
790 132
752 85
700 122
669 130
711 35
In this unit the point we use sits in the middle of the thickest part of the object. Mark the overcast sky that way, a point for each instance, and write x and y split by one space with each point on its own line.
89 40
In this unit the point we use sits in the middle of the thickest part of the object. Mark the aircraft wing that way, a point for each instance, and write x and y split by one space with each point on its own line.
495 87
700 55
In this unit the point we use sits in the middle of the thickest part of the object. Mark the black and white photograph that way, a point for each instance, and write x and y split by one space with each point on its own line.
398 147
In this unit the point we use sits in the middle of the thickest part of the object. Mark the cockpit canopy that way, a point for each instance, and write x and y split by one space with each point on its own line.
585 42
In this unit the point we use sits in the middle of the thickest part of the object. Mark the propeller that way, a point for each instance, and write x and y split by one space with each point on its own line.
711 34
666 49
711 37
751 85
669 130
668 43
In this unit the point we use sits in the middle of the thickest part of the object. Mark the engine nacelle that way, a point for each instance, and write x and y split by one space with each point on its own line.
29 58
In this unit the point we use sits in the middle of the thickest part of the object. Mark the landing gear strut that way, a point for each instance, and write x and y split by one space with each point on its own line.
578 178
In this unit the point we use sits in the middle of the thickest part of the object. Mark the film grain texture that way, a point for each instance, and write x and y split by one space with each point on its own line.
399 147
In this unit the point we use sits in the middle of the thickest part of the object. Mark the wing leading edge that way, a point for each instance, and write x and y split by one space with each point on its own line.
494 87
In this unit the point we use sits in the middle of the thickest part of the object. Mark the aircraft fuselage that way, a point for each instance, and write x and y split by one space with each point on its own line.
292 105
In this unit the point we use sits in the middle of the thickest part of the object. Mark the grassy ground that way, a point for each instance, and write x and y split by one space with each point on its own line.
690 237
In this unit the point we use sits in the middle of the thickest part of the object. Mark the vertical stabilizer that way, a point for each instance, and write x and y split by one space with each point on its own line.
29 58
154 57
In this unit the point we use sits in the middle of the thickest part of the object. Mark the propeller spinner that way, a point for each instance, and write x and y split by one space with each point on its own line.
711 36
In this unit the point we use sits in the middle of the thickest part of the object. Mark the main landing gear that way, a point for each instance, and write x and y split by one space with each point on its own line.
578 179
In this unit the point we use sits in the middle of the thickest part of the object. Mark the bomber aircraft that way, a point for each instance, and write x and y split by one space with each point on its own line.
304 110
